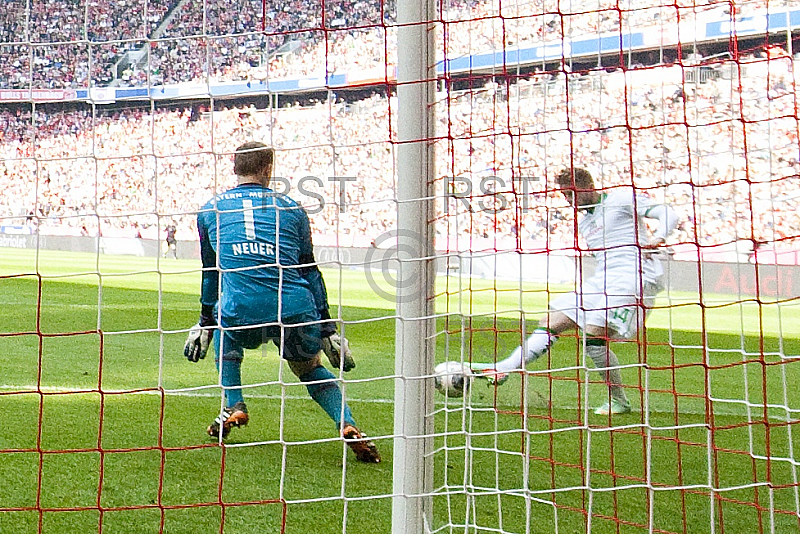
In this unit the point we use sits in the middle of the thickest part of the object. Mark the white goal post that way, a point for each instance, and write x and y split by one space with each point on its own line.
415 339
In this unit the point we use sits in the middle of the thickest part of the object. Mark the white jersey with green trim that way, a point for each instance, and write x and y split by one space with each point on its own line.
614 231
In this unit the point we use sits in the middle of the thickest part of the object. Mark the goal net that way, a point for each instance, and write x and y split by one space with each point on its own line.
119 120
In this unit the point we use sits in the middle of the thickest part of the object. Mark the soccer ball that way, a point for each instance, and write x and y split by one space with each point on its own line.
452 379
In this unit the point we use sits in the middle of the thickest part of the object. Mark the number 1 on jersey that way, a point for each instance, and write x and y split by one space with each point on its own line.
249 221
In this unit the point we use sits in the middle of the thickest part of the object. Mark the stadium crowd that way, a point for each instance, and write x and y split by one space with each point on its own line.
50 45
74 43
723 153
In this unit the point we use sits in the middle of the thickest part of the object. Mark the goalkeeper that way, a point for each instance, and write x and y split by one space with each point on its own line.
614 302
260 283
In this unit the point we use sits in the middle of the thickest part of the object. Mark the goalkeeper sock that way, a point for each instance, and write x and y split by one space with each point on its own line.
536 345
603 357
232 377
328 395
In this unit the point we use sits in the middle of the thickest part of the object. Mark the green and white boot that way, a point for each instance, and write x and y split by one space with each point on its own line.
488 371
615 406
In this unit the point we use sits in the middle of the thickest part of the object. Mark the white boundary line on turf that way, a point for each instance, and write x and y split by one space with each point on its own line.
30 390
193 392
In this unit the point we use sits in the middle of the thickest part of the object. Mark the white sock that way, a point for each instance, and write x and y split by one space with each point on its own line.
536 345
603 357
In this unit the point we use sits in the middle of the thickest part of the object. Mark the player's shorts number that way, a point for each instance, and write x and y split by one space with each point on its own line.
622 314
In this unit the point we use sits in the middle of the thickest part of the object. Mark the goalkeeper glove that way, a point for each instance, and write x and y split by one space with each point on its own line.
199 339
337 349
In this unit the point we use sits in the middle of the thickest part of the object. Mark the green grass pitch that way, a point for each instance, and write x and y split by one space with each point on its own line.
135 459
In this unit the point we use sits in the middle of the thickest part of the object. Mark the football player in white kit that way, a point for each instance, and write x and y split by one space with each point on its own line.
614 302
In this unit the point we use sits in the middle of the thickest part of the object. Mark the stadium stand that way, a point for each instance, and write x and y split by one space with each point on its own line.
69 177
72 168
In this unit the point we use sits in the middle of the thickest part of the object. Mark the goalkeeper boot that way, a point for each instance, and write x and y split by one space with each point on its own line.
487 371
230 417
616 406
363 447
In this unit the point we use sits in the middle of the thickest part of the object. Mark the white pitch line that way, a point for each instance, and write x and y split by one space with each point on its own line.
28 390
174 393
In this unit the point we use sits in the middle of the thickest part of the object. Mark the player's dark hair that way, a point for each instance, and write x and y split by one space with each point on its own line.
251 158
575 177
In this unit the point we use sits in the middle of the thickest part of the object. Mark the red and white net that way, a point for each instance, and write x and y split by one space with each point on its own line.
118 119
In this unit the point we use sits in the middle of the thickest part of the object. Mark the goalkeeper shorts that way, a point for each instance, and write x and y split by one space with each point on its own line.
297 341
